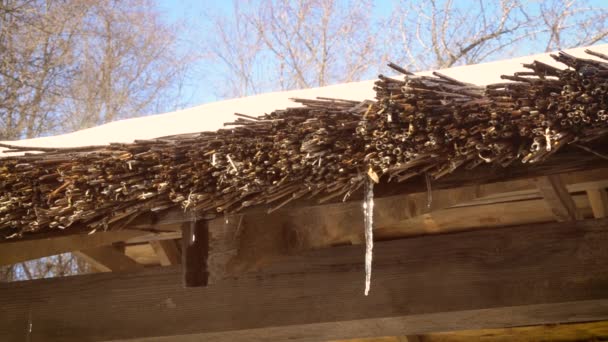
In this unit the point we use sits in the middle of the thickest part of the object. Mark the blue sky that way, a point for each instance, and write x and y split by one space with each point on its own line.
193 14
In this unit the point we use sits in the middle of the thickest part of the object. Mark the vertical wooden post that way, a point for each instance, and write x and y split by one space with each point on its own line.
598 199
195 251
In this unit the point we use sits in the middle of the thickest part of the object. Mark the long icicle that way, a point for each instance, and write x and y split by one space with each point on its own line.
368 213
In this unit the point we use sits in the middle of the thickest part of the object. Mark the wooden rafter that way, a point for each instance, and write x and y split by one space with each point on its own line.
526 275
167 252
108 259
557 197
22 250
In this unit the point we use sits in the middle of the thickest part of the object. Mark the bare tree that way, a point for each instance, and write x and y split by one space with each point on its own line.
295 44
236 45
36 40
52 266
442 34
128 64
571 23
72 64
446 33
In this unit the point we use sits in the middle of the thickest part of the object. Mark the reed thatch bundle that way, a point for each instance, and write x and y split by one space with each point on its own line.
324 150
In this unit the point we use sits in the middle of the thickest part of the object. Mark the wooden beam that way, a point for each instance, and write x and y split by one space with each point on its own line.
574 332
252 242
108 259
594 331
598 199
22 250
390 211
526 275
160 236
167 252
557 197
195 252
479 217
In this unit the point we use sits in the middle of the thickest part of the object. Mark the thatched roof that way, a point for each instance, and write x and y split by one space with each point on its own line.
429 126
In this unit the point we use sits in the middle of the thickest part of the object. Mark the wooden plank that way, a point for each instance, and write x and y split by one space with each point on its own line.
167 252
534 274
377 327
256 241
557 197
22 250
598 198
108 259
195 252
575 332
594 331
479 217
170 235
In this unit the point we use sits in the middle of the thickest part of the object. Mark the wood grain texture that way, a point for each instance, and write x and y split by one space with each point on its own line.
533 274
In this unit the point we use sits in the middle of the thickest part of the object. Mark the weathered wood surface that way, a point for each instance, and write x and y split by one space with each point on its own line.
195 252
504 277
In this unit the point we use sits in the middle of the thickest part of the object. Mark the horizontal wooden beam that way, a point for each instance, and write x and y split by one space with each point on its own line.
22 250
592 331
479 217
572 332
534 274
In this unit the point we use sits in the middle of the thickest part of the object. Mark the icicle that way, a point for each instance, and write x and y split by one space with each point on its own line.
368 214
429 193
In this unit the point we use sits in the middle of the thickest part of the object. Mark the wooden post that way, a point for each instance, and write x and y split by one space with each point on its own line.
598 199
514 276
195 252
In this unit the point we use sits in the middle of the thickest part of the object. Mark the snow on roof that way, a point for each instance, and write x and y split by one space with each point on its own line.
212 116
